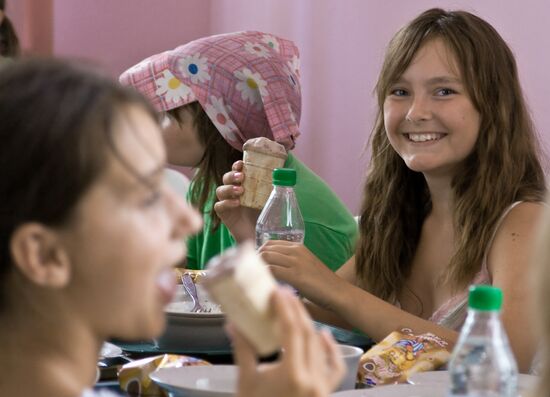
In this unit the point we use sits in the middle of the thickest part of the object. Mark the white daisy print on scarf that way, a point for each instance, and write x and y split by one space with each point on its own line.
171 88
251 85
294 65
256 49
218 113
271 42
195 68
292 116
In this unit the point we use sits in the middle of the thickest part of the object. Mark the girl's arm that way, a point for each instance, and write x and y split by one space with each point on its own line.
336 299
346 272
509 263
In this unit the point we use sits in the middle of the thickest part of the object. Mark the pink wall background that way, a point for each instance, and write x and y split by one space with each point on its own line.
33 21
341 41
119 33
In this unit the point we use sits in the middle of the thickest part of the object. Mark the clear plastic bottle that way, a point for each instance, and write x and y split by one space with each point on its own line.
482 363
281 218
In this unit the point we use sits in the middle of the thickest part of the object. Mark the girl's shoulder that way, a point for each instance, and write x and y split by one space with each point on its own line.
516 234
518 222
520 216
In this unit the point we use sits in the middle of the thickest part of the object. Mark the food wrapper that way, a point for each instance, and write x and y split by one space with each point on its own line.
196 275
134 377
400 355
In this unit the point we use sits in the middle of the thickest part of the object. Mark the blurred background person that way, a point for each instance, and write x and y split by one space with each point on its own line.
9 42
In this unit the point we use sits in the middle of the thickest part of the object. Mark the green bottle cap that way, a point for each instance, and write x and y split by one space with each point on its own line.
284 177
485 297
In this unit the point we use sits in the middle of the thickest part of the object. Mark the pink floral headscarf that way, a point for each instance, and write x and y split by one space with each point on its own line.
247 82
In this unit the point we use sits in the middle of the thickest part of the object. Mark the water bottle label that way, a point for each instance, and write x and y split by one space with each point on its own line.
296 236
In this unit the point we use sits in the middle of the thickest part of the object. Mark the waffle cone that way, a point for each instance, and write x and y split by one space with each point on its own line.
258 182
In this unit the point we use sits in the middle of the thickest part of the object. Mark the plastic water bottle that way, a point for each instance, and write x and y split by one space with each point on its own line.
482 364
281 218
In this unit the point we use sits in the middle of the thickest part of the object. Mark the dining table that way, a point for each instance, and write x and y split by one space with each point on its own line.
133 350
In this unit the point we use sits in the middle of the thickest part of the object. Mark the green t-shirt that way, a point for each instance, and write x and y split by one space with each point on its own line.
330 230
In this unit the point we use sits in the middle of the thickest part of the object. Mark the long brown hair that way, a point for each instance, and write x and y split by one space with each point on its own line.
53 146
217 159
503 167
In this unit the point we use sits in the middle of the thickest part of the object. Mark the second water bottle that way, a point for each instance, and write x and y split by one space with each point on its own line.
482 363
281 218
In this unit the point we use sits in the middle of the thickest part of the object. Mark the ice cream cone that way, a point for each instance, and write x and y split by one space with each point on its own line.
261 156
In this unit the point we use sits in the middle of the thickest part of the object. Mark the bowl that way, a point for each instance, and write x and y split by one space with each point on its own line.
193 332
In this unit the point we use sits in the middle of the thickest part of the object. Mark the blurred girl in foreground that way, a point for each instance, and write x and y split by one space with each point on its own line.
89 232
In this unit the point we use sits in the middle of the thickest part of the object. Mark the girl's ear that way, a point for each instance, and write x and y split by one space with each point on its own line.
38 253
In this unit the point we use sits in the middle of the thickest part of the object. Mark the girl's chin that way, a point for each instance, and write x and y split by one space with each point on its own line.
421 162
417 166
432 170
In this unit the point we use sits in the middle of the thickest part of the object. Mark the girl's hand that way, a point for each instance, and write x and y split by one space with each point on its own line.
310 364
296 265
240 221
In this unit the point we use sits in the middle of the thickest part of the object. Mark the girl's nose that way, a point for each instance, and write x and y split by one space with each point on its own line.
419 110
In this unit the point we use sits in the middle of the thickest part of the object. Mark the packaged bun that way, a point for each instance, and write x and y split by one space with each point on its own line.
401 354
240 282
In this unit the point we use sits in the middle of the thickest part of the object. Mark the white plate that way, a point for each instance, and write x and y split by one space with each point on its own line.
207 381
525 382
396 391
109 350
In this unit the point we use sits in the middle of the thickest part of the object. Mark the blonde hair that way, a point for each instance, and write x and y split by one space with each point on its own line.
503 167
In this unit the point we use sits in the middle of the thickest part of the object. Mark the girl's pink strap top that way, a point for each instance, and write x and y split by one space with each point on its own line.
452 313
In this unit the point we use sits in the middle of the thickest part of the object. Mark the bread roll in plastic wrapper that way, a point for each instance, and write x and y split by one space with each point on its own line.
399 355
134 377
240 281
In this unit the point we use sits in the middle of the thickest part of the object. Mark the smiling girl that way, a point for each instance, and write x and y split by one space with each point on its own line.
452 195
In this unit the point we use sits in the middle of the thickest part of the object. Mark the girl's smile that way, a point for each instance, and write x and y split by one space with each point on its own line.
424 137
